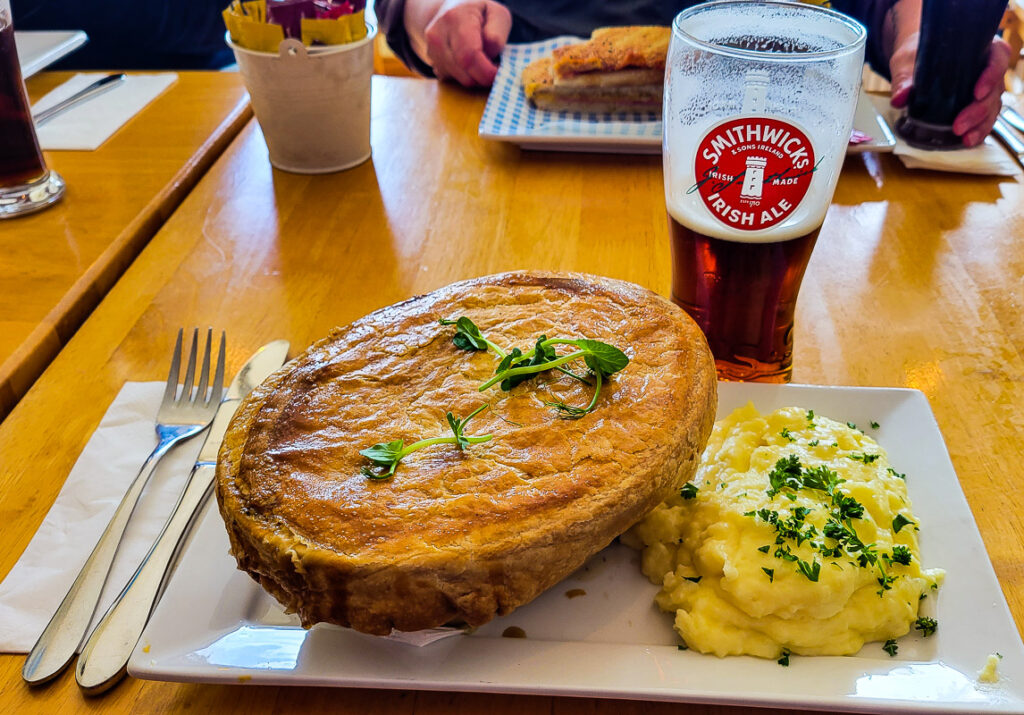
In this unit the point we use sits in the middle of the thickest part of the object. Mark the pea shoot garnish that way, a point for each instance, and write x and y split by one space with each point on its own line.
389 454
468 336
517 366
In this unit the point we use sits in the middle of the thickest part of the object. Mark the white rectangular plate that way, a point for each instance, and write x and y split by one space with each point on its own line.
214 624
509 117
38 49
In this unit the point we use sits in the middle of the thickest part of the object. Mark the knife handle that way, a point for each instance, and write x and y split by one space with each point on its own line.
104 657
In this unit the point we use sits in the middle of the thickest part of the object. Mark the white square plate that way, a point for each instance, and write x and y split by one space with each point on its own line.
214 624
510 117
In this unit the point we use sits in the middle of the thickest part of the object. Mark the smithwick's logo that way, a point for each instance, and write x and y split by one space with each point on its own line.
753 172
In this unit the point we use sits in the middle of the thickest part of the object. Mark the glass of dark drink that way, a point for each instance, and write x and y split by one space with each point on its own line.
759 103
25 183
952 51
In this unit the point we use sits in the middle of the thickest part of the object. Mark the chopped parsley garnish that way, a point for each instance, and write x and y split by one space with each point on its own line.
891 648
899 522
813 443
770 573
810 570
682 647
689 491
785 475
789 476
894 473
787 435
784 660
849 508
926 625
874 425
851 425
901 555
866 458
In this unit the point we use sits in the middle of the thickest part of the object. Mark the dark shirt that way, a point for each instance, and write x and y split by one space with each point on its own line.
151 34
534 20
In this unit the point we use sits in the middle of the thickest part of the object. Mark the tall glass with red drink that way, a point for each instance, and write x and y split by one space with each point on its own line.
759 103
25 183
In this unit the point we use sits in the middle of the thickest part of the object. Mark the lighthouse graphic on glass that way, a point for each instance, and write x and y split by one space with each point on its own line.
753 178
755 91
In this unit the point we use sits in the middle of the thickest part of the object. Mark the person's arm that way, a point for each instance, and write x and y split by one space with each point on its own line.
391 17
976 120
458 39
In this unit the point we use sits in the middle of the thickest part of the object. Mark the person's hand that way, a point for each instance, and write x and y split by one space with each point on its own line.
462 38
975 121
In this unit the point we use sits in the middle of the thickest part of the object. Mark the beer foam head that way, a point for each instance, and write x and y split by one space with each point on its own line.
759 103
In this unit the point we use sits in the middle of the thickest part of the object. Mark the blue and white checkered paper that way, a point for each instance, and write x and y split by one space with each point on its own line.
508 115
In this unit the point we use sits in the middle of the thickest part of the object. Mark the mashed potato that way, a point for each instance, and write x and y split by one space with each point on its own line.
795 535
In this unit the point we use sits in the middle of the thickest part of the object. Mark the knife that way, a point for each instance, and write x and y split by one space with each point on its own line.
1012 117
96 88
1007 136
104 657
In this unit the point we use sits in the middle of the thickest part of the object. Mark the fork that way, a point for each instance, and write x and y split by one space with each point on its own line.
181 416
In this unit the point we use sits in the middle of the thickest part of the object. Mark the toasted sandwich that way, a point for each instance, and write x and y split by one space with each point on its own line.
619 69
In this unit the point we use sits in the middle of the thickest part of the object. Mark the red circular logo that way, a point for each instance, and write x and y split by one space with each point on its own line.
753 172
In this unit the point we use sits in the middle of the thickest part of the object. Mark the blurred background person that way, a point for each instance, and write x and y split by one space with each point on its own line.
153 34
461 40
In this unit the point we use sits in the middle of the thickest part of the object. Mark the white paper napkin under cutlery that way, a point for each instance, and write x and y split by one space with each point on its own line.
90 123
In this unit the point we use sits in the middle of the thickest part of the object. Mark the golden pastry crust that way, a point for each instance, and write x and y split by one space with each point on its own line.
614 48
459 536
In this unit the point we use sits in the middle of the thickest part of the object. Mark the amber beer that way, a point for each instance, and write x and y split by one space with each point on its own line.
743 296
759 103
21 161
25 183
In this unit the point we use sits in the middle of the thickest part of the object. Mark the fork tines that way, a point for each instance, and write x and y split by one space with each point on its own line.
202 394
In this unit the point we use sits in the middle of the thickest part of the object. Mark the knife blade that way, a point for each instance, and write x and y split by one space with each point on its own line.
1012 117
96 88
1007 136
104 657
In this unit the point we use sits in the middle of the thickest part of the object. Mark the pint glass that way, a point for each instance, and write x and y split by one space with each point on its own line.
25 183
759 103
952 51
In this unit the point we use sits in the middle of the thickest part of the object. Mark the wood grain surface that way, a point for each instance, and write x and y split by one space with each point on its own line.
56 265
916 281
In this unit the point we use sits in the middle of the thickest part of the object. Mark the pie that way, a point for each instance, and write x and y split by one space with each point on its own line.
460 536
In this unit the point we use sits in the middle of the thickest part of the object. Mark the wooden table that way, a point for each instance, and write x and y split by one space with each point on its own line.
916 281
56 265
